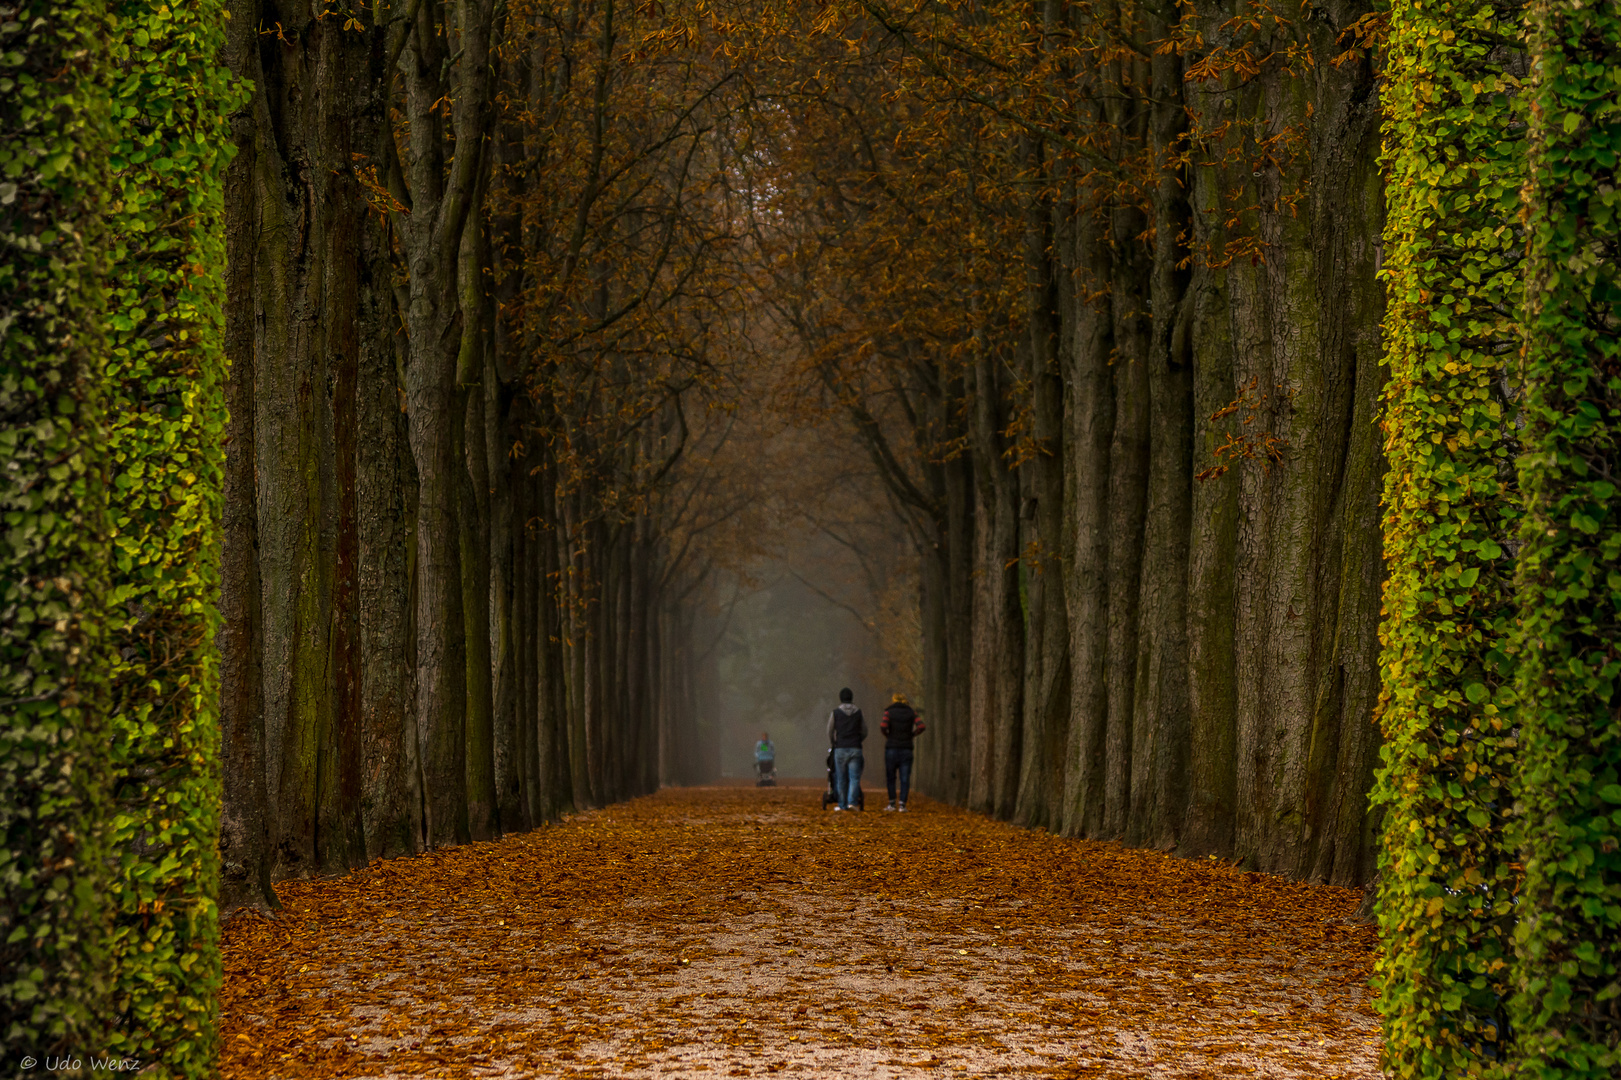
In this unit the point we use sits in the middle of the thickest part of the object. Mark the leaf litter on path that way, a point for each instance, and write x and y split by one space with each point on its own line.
713 932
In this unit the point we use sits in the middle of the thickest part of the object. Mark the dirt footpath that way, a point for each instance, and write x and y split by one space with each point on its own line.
741 932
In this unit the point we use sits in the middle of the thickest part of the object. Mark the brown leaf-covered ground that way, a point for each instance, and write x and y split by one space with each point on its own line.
745 932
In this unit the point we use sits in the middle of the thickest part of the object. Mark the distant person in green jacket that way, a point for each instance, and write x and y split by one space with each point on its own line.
765 760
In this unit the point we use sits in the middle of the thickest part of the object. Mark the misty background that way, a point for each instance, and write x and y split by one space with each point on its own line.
810 583
780 663
791 633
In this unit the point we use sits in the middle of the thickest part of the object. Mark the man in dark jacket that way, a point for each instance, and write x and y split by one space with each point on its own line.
900 726
846 731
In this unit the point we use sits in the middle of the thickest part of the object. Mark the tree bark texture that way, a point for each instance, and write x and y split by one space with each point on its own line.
296 215
245 845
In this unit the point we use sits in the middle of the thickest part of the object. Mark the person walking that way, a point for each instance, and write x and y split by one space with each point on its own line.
765 760
900 726
846 731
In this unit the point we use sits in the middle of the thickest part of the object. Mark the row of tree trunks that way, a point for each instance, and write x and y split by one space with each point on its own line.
1173 596
425 642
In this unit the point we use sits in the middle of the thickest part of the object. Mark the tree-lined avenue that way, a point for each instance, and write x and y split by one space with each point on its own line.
427 424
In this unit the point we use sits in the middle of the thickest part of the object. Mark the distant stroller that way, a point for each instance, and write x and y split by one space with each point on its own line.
831 795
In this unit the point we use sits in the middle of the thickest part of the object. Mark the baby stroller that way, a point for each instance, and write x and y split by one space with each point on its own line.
831 795
768 773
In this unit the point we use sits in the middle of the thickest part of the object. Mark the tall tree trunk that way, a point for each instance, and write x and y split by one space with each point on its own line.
342 836
997 658
551 731
1127 508
955 733
312 89
985 584
391 793
1047 549
1343 744
1009 646
527 627
474 378
640 658
476 537
505 606
574 569
1207 827
244 812
1161 720
443 193
932 585
1297 355
1089 412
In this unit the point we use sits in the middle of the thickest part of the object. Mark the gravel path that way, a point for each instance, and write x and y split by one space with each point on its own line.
741 932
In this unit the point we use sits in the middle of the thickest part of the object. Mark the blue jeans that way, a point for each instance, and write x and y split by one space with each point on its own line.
847 763
898 761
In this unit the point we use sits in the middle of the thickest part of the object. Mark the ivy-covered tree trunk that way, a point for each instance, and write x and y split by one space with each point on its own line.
165 439
1566 1009
54 568
1453 157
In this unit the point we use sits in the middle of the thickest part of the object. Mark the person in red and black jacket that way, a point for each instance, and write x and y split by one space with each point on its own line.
900 726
